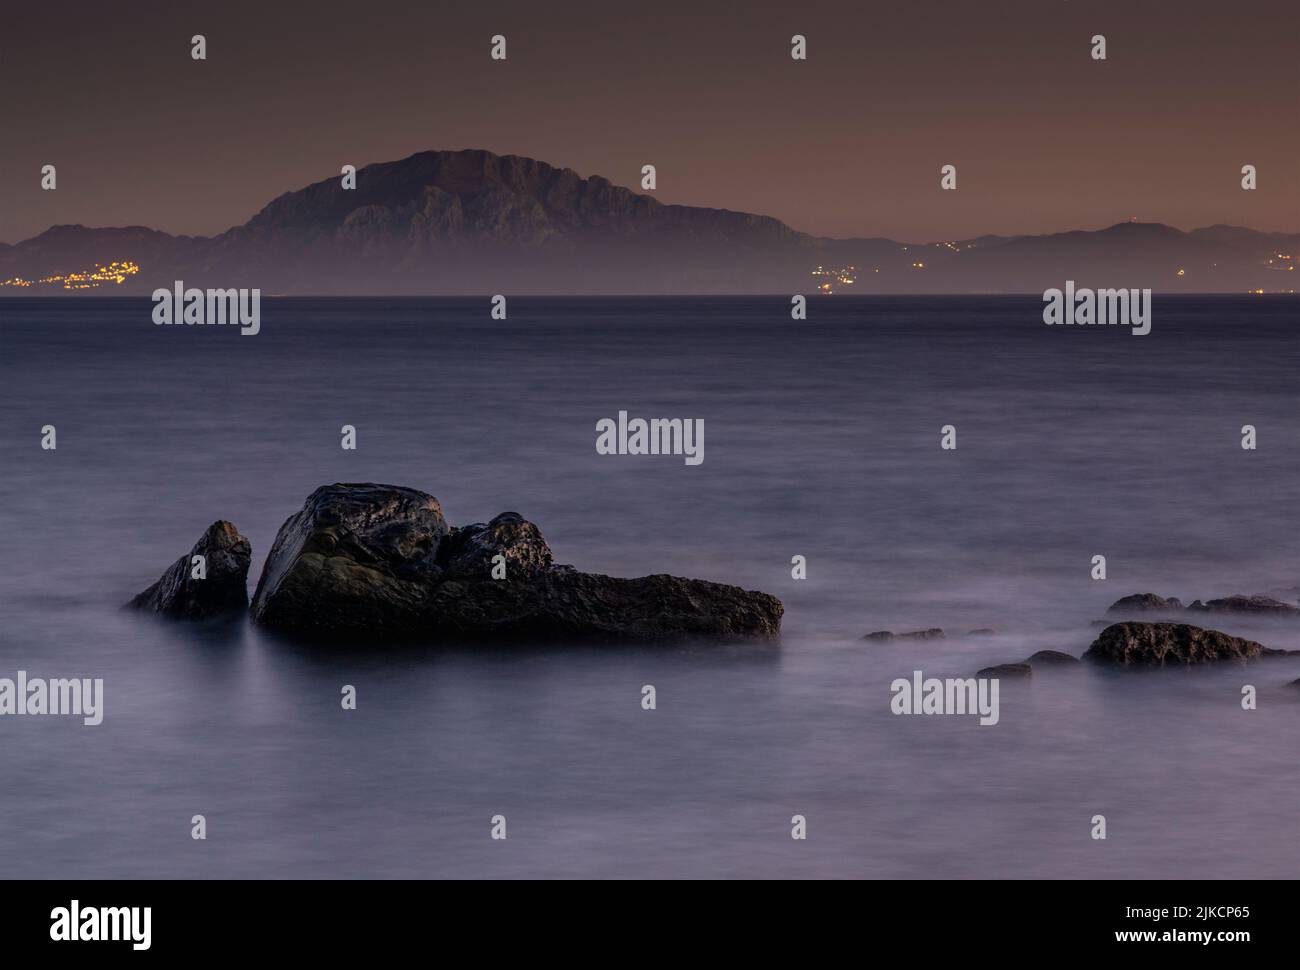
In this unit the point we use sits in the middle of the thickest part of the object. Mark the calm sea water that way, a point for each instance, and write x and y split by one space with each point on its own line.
822 440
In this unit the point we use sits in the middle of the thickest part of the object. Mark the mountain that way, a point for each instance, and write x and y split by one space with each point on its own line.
471 222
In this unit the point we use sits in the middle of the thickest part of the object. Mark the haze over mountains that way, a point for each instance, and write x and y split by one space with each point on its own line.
471 222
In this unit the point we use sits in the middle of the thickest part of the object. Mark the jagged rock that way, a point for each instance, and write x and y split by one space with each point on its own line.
882 636
1166 644
1006 670
223 590
472 547
381 561
1245 604
1052 658
1146 603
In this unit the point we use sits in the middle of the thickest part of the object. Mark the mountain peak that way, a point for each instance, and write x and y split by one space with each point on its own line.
472 221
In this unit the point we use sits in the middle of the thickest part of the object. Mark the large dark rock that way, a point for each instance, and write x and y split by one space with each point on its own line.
1245 604
1166 644
381 561
1146 603
223 591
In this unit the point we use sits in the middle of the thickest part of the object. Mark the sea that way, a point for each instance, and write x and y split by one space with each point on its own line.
823 440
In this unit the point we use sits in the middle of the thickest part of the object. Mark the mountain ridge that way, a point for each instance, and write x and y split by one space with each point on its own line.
472 222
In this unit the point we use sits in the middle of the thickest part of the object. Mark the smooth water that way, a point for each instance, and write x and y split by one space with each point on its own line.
822 440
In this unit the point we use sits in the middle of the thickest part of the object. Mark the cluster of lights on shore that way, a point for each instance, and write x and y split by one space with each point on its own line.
115 272
829 278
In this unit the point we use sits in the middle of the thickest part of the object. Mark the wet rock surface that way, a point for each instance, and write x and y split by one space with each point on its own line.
223 590
1166 644
381 561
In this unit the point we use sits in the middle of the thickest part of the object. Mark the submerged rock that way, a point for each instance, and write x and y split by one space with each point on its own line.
223 589
883 636
1006 670
1165 644
1052 658
1024 668
1245 604
1146 603
381 561
981 632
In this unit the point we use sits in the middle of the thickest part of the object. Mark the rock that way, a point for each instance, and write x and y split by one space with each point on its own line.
981 632
1006 670
1287 594
1164 644
1052 658
883 636
223 591
1044 658
380 561
1146 603
1245 604
472 548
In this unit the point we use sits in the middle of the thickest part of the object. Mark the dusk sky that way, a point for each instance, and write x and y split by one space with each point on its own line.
848 143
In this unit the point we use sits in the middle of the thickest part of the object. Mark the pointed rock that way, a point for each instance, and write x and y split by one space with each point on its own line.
223 590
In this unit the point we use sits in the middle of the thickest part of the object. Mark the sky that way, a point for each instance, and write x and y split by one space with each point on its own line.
847 143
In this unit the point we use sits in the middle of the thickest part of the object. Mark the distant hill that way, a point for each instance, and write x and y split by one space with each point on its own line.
471 222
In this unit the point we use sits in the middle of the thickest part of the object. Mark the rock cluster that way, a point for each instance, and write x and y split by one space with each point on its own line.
1151 603
381 561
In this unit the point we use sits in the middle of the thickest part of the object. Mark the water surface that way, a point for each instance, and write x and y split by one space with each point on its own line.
822 440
